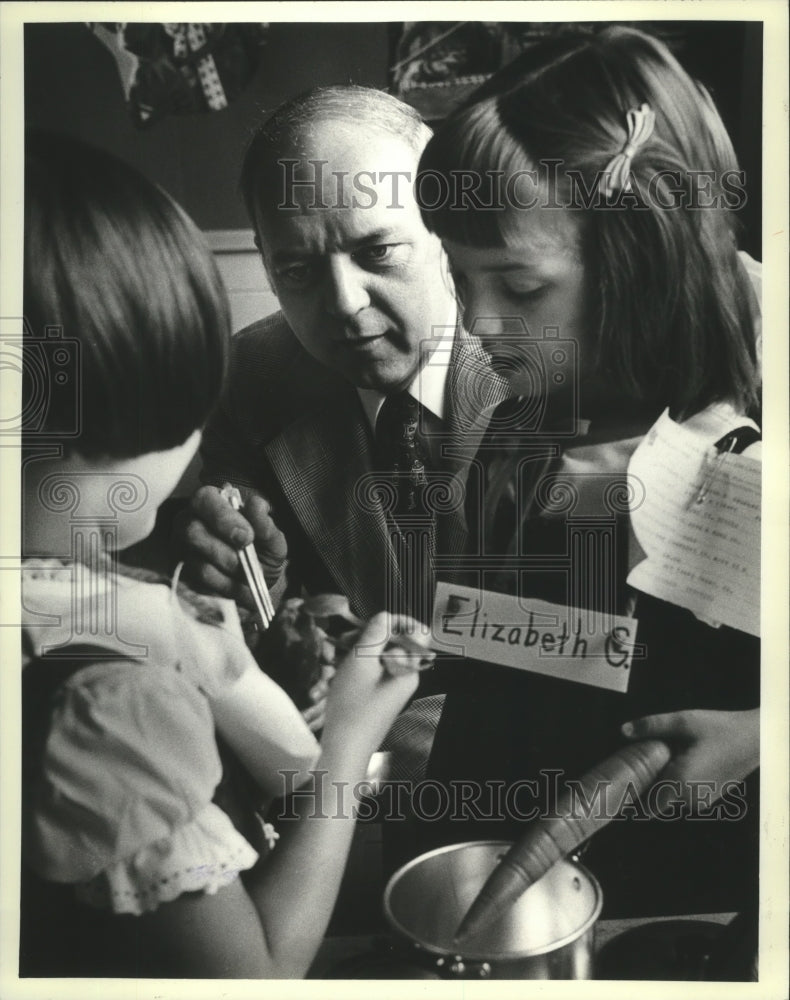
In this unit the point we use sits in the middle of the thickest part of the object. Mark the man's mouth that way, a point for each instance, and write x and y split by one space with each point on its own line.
359 343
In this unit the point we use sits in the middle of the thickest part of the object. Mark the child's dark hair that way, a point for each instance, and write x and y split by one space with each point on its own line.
113 261
671 304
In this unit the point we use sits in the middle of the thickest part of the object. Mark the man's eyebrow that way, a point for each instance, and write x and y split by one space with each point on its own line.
289 256
376 236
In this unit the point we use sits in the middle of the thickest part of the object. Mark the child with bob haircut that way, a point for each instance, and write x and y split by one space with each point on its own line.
609 290
140 852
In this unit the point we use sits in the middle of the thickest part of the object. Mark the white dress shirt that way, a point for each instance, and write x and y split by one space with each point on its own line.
427 387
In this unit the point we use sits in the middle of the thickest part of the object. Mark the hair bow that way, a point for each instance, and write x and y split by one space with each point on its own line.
641 122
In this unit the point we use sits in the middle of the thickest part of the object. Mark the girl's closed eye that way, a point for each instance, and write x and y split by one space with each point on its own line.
524 292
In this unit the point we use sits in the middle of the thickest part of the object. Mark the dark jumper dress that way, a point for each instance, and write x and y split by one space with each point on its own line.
503 725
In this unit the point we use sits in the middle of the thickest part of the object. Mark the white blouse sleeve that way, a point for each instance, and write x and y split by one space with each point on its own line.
121 806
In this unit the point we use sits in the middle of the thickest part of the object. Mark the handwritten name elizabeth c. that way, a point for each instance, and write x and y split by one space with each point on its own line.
545 639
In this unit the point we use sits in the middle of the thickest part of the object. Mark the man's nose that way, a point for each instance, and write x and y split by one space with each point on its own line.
345 292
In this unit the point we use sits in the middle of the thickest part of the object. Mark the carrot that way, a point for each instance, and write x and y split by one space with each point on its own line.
634 767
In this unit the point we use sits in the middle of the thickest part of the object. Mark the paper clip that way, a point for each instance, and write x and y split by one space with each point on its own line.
248 558
718 462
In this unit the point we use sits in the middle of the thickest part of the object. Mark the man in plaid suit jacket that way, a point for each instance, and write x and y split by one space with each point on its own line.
367 310
298 434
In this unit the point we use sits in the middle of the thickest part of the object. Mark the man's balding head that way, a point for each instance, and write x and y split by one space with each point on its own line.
290 133
329 186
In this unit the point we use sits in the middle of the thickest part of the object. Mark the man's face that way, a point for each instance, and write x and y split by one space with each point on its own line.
360 281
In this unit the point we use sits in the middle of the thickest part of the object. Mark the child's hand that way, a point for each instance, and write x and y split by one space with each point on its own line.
315 714
710 747
374 681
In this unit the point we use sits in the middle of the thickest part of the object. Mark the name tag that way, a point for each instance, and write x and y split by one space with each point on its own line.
536 636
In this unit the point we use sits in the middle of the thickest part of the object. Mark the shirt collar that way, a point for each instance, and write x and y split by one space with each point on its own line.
427 387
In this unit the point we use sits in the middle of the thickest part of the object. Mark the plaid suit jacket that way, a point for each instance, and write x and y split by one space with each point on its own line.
295 431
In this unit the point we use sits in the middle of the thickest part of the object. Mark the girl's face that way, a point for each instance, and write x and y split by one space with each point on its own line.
528 301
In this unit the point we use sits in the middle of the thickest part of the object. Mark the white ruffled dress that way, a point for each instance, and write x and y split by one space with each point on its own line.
121 806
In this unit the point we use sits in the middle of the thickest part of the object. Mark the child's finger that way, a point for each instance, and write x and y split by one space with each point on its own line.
396 642
374 636
313 712
414 633
318 691
385 628
317 718
398 661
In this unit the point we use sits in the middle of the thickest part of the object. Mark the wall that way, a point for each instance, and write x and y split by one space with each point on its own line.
242 271
72 85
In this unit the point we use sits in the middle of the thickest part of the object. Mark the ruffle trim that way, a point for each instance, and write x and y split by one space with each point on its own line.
47 569
212 656
202 856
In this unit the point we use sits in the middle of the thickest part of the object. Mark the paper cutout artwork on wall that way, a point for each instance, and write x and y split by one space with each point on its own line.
168 69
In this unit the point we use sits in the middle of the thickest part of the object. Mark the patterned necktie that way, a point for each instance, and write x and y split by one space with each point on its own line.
400 457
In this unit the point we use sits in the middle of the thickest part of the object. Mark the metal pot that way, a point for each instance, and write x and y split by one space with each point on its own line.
547 934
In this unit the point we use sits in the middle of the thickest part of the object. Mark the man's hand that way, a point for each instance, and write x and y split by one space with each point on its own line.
709 748
209 534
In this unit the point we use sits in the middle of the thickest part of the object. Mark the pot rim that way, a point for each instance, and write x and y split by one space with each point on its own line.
480 956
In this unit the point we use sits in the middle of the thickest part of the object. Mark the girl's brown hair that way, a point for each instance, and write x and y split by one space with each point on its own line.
671 304
117 267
